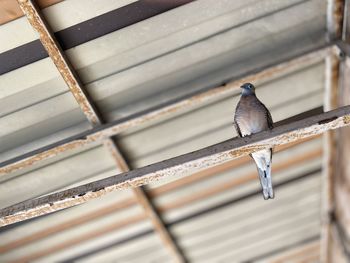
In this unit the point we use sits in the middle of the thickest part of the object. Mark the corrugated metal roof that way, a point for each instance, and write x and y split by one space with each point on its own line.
183 51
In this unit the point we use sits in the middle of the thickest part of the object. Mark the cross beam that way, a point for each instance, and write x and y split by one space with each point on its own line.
87 106
98 134
181 165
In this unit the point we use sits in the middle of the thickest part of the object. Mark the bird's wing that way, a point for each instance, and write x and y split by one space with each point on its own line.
269 121
268 117
235 124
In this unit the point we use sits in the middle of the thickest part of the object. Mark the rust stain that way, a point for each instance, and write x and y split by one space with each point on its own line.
245 150
45 209
338 12
346 119
294 136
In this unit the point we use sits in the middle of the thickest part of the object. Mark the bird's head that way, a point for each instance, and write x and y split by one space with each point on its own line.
248 88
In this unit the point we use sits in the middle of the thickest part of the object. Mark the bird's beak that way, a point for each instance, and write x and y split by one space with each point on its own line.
242 87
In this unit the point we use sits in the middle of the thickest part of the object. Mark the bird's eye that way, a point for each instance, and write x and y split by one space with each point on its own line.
250 86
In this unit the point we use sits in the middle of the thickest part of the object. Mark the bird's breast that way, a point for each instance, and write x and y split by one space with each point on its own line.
252 121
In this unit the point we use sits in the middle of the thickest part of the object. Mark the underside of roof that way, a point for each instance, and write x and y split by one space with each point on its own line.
134 58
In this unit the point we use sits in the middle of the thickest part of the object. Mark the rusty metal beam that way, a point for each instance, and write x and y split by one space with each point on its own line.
98 134
330 102
308 156
236 182
181 165
335 10
153 212
346 22
339 228
49 42
202 175
148 207
342 174
87 106
68 74
154 192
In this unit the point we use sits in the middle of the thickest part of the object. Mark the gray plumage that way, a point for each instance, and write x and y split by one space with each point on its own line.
251 117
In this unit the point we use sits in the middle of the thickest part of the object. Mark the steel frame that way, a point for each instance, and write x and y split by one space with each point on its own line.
184 164
105 131
181 165
161 190
75 86
97 135
335 25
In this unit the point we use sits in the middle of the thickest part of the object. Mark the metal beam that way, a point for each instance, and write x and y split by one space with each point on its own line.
50 44
181 165
98 134
90 111
330 102
68 74
202 175
154 192
154 214
335 9
148 206
184 201
346 23
236 182
338 246
334 32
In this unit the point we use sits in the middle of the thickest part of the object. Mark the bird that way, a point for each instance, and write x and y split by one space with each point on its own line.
252 116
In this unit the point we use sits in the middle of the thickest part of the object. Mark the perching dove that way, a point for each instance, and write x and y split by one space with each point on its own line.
252 117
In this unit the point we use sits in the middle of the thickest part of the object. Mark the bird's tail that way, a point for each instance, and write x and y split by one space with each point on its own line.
266 182
263 161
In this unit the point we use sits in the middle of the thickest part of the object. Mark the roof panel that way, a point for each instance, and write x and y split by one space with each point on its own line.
159 60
